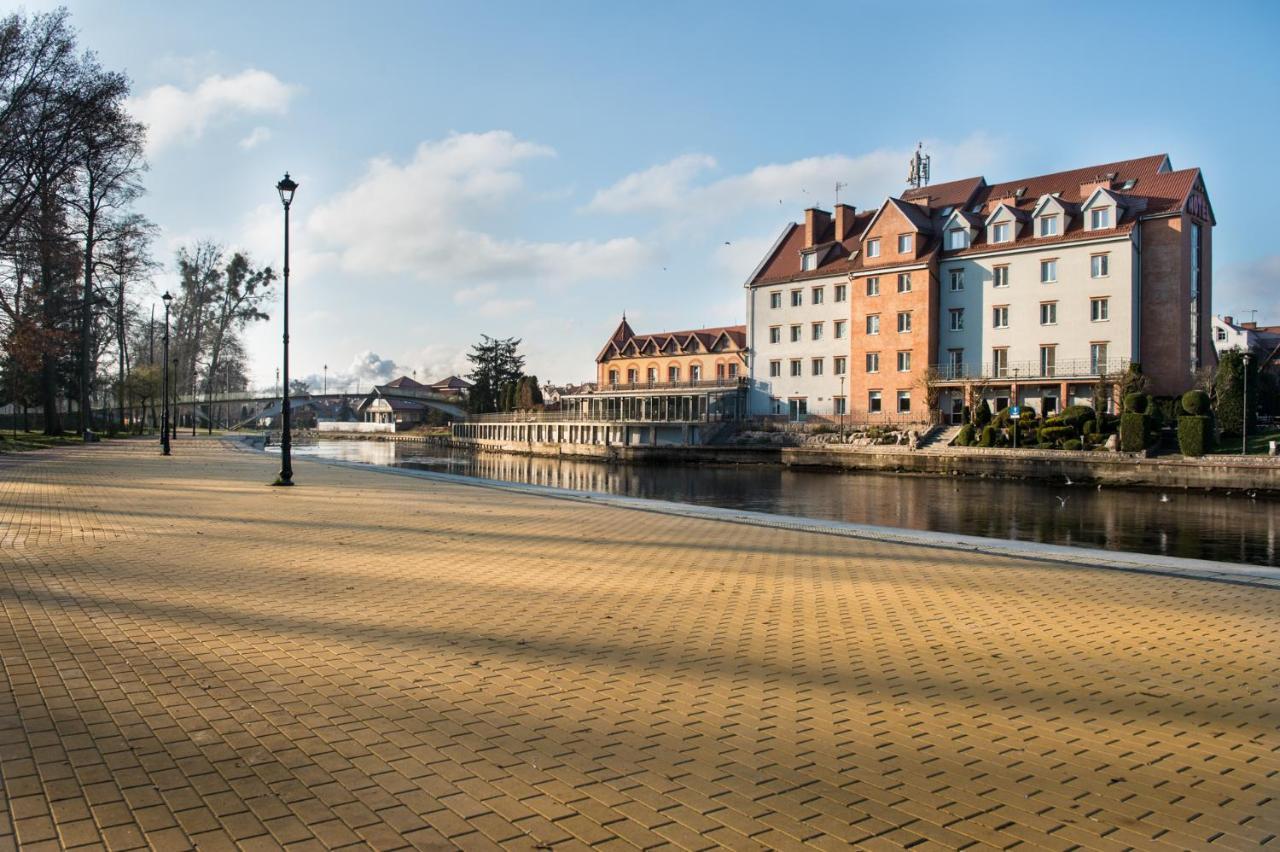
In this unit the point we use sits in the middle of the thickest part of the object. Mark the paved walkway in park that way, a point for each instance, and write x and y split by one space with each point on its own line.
190 658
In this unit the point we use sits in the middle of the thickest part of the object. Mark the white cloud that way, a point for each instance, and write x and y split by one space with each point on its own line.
678 188
255 138
428 218
175 115
484 301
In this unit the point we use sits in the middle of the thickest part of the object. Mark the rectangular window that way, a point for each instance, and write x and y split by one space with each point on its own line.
873 286
873 362
652 374
1097 358
1000 316
1000 362
1000 276
1048 270
815 297
1048 313
797 332
733 371
904 243
873 402
633 376
1048 355
873 248
842 329
839 406
957 319
957 238
816 366
1048 226
1218 333
1100 218
797 367
904 322
673 374
842 292
613 377
775 299
873 324
904 362
816 331
957 280
1099 266
904 402
955 363
904 282
1100 311
775 369
809 261
695 373
839 365
797 298
775 334
1000 233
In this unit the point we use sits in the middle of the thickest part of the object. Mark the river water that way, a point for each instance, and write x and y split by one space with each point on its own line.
1229 528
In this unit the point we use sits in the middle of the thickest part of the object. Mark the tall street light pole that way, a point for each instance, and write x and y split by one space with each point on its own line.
173 408
164 418
1244 409
286 188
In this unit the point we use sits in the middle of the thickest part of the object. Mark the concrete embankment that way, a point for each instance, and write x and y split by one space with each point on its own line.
1220 473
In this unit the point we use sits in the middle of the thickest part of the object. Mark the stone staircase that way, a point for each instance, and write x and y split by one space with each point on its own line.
940 438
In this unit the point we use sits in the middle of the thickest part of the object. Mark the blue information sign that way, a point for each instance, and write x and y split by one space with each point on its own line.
1015 410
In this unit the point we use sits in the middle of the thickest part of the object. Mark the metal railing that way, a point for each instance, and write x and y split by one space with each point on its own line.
1065 368
704 384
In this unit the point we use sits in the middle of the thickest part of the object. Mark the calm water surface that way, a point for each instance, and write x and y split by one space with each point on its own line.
1228 528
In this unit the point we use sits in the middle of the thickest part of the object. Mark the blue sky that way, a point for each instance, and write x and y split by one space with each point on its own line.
533 170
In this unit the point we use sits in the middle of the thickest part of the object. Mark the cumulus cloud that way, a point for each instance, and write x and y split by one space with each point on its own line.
368 368
1248 286
255 138
681 186
175 115
427 218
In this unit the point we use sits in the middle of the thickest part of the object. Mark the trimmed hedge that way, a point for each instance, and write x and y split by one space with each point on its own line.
1077 415
965 438
1072 444
982 414
988 438
1050 434
1135 403
1090 427
1195 403
1133 430
1195 437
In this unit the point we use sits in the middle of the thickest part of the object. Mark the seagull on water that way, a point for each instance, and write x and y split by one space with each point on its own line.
1164 498
1062 502
1068 479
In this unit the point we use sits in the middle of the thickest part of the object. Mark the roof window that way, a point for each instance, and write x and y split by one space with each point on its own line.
1129 184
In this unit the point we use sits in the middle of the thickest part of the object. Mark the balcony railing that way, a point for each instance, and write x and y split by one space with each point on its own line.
630 387
1061 369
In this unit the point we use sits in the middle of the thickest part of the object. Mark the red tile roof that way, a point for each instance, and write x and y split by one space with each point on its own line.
705 337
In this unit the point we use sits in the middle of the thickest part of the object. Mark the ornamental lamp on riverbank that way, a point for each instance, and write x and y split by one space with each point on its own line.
1244 407
286 187
167 298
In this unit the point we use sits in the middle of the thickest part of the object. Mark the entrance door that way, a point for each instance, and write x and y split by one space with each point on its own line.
798 409
957 410
1050 405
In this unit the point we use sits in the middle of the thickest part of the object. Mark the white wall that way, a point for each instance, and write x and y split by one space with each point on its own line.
337 426
817 390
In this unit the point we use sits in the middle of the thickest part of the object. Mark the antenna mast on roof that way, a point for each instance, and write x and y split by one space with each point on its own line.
839 186
918 176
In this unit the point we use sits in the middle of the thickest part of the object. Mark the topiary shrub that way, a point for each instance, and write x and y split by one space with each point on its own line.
1027 413
1077 415
1135 403
988 438
982 414
1045 445
1195 403
1050 434
965 438
1133 431
1072 444
1002 417
1089 427
1056 420
1195 437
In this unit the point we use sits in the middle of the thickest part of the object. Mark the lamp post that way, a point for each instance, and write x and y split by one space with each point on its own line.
844 406
286 188
194 408
1244 408
326 379
164 417
173 417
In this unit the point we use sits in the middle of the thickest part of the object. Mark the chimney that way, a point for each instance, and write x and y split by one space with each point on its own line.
815 222
1229 320
1087 187
844 221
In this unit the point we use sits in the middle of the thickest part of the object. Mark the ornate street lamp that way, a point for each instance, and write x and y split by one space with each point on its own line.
1244 412
164 407
286 188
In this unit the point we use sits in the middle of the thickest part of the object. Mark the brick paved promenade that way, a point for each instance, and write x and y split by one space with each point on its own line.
190 658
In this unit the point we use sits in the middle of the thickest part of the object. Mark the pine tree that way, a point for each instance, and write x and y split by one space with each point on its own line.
496 364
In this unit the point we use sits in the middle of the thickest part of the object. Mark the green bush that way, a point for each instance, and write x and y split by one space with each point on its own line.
1089 427
1002 417
982 414
1050 434
1135 403
1027 413
1020 435
1195 403
1077 415
988 438
1045 445
1072 444
1195 437
965 438
1056 420
1133 431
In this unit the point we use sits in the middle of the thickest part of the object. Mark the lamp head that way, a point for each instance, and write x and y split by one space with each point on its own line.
166 298
286 187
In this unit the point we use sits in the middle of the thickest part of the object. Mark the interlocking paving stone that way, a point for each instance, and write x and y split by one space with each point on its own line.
191 659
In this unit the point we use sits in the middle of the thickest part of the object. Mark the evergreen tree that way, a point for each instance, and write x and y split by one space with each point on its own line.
496 364
1228 392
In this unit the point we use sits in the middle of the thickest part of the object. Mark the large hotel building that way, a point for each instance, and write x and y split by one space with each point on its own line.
1032 292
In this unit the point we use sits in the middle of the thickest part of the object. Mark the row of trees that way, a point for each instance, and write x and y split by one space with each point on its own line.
498 377
77 306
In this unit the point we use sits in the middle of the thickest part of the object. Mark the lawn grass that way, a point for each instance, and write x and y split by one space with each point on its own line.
1258 442
20 441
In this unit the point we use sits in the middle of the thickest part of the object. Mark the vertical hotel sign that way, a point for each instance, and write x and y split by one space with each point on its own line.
1198 205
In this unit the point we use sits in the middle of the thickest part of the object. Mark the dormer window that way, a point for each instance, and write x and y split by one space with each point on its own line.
809 261
1099 218
1048 226
904 244
1000 232
873 248
957 238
